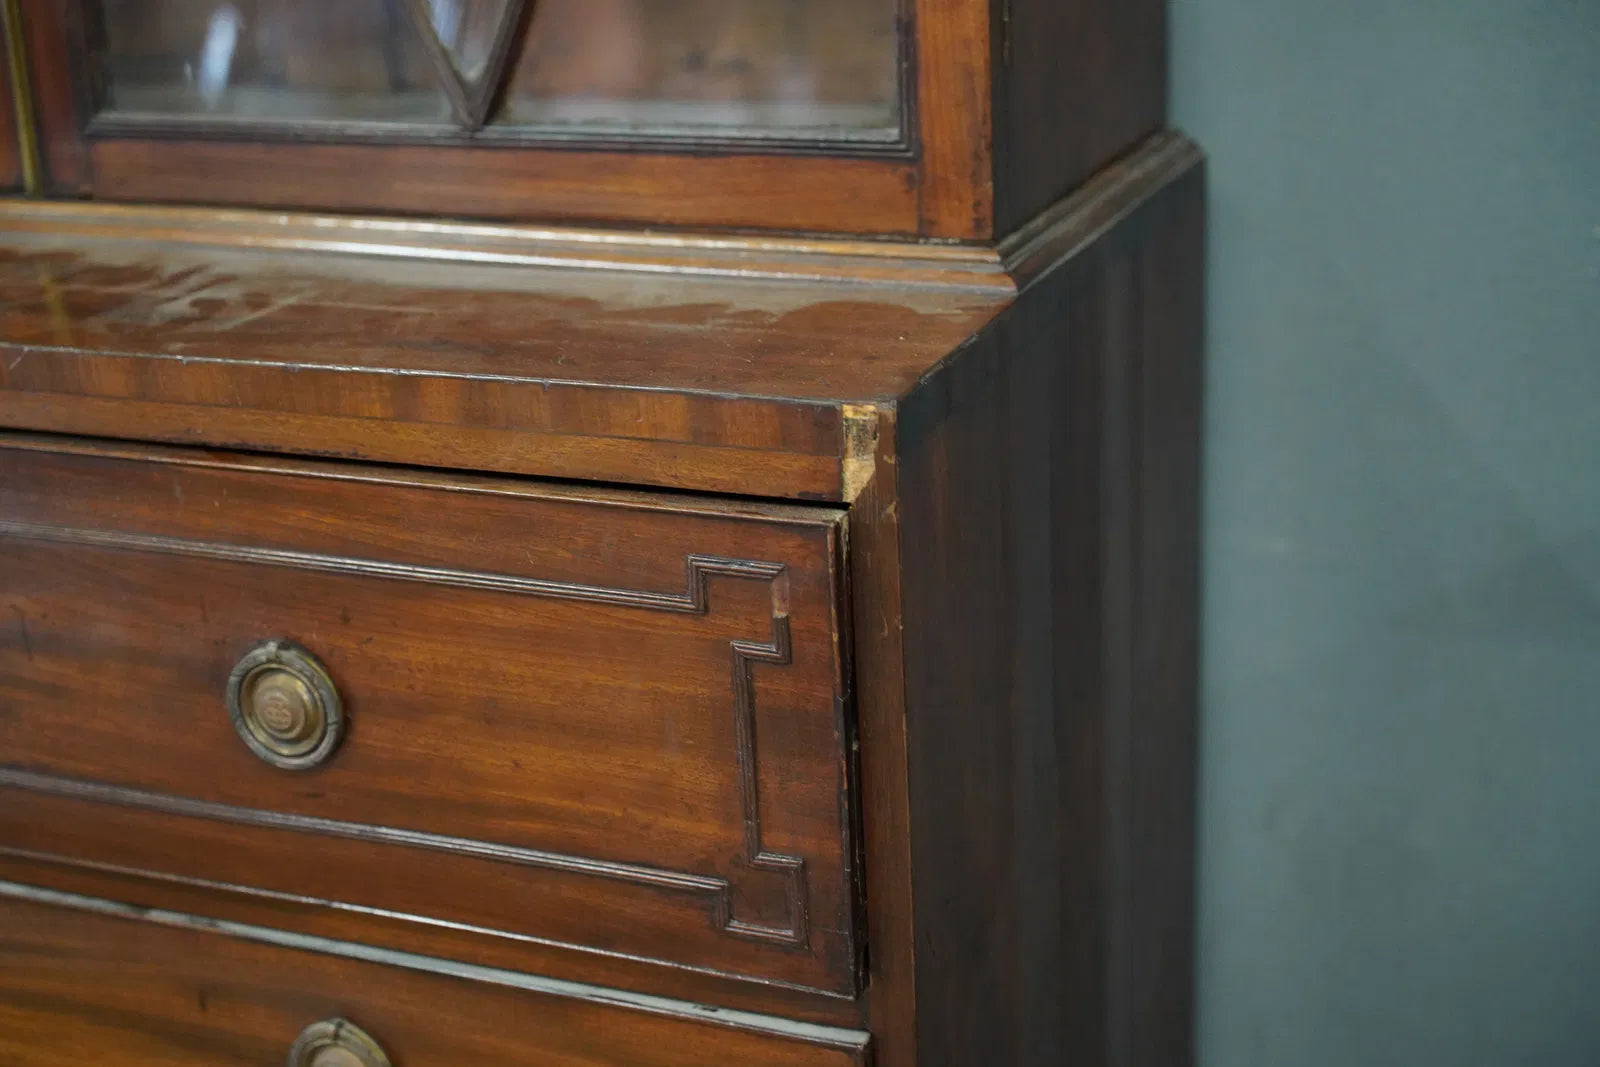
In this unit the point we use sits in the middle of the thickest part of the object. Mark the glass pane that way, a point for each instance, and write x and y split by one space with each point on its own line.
467 29
316 60
753 68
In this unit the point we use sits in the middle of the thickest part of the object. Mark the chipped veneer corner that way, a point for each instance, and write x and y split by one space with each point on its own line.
860 449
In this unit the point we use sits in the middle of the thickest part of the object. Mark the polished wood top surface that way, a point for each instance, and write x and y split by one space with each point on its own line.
731 365
697 381
121 291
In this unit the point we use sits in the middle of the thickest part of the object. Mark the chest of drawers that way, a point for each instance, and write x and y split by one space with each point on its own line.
734 604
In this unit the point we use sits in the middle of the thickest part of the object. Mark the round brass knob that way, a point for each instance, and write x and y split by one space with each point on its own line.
336 1043
285 706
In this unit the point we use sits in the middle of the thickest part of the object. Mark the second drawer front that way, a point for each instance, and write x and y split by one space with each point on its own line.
81 982
610 722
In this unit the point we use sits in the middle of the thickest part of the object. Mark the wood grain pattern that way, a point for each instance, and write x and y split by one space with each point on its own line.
193 998
692 383
982 749
955 121
1071 226
759 192
1047 495
1078 84
704 689
876 594
467 944
776 257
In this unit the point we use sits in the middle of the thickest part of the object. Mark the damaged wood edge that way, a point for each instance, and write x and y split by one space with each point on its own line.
859 423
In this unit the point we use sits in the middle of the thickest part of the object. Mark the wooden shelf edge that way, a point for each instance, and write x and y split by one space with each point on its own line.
1007 266
1059 232
895 263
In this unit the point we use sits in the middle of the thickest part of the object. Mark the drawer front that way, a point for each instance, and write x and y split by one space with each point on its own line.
604 721
82 984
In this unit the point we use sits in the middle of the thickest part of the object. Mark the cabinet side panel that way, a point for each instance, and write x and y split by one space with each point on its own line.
874 530
1077 85
1048 487
1159 866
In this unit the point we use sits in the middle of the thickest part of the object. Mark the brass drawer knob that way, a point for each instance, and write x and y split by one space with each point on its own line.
336 1043
285 706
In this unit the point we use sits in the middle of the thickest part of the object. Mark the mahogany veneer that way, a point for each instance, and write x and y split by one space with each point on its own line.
431 642
187 995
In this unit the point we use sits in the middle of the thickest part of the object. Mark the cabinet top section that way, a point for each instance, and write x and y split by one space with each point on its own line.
917 119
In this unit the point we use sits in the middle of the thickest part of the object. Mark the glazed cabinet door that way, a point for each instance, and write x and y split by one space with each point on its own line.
699 112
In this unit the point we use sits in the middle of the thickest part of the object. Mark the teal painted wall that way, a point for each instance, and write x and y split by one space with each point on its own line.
1400 811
